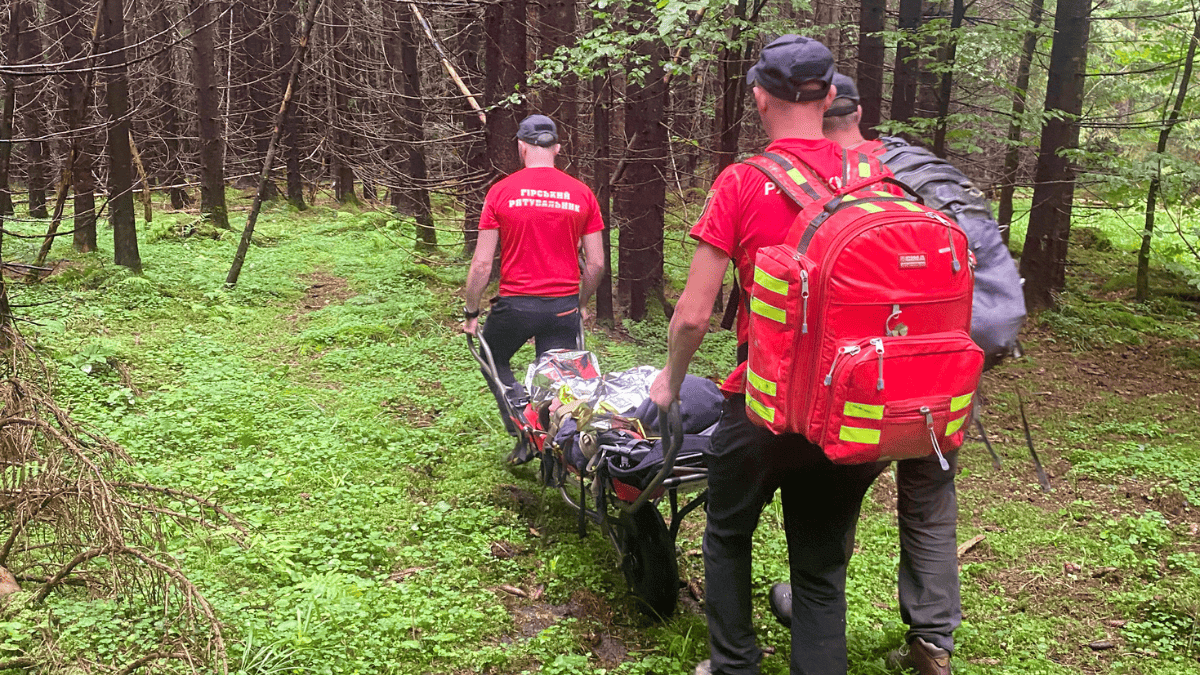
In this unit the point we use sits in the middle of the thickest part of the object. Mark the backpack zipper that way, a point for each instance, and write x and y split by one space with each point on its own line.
878 344
842 351
937 448
954 264
804 295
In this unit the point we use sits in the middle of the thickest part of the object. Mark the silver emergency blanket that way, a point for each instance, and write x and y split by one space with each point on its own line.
569 375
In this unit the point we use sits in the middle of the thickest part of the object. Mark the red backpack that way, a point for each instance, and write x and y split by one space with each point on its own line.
860 320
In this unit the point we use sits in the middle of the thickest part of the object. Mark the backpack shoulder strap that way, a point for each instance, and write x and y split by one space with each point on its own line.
857 165
797 180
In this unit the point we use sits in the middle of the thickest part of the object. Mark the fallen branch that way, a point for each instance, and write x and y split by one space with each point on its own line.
970 544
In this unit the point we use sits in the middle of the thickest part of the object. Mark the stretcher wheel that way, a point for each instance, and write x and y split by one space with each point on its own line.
649 562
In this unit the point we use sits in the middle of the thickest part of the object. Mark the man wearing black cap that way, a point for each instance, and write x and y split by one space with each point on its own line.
821 501
539 216
926 503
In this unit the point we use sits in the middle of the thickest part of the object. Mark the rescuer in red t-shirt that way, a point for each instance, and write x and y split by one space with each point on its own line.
539 216
747 463
926 506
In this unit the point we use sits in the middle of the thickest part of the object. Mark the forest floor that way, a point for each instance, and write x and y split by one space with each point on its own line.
330 403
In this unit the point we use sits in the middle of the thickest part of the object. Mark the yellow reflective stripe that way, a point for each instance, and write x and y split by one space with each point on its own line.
769 282
770 311
857 435
955 425
765 386
796 176
849 198
871 412
911 206
881 193
959 402
761 410
869 207
864 169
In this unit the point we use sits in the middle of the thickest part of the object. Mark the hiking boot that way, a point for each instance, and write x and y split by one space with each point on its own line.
780 600
920 657
521 453
703 668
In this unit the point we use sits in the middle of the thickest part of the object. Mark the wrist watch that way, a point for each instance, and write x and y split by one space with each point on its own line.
469 314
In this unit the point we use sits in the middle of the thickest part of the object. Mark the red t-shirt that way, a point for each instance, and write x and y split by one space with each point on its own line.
745 210
541 213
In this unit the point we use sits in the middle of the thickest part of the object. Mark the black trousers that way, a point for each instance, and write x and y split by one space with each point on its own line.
927 508
821 503
512 320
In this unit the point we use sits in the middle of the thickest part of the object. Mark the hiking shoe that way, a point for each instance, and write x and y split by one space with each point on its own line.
521 453
920 657
780 600
703 668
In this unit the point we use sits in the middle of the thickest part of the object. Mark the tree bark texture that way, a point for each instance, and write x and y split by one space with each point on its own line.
343 139
414 188
32 113
474 156
120 155
75 35
8 109
254 17
1012 156
1044 258
505 61
870 64
212 143
946 87
904 83
284 34
640 199
1143 266
557 29
169 165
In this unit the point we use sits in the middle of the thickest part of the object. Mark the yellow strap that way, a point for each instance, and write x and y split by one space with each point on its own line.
769 282
911 206
770 311
869 207
796 176
955 425
867 411
761 410
765 386
857 435
864 169
959 402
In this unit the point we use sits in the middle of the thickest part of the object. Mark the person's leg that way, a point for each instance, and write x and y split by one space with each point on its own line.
821 504
927 508
737 469
504 331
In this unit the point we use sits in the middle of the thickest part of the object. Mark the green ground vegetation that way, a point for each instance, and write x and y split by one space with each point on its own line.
330 402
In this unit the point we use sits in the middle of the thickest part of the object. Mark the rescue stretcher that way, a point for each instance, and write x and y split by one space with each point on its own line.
610 468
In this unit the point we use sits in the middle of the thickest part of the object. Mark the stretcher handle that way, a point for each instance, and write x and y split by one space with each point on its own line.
671 424
483 355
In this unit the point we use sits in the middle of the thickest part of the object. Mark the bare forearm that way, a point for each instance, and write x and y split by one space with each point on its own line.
591 281
683 340
477 281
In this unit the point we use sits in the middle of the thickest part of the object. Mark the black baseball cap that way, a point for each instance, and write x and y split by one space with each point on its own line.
538 130
847 100
789 62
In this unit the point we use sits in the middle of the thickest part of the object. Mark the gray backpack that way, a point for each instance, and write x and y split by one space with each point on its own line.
998 309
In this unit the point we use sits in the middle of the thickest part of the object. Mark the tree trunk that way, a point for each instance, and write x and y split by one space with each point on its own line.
904 83
505 59
1143 268
120 157
557 29
255 18
640 200
75 34
946 88
285 31
731 71
1044 258
170 165
870 64
414 194
470 36
33 113
1012 156
602 95
8 109
212 144
343 139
